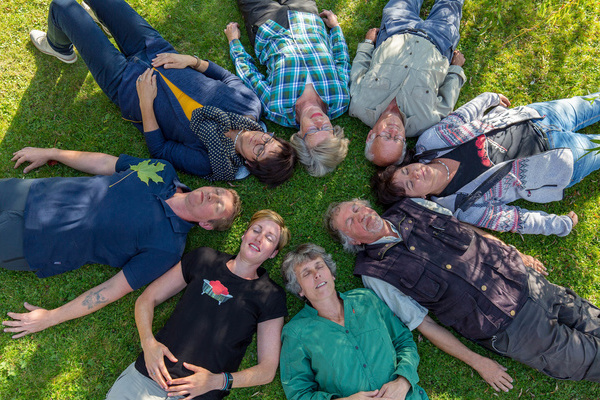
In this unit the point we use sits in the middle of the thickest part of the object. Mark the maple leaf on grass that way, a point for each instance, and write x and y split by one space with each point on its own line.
146 171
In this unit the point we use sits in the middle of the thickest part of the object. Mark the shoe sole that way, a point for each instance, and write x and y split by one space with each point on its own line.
65 60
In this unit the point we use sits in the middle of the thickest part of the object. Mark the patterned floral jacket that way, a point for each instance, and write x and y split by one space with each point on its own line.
541 178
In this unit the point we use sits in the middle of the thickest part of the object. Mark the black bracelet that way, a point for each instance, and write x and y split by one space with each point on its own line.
228 381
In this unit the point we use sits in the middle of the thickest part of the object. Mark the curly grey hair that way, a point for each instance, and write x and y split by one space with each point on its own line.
304 253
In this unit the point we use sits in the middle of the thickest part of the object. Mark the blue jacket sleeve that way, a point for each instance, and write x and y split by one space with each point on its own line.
182 157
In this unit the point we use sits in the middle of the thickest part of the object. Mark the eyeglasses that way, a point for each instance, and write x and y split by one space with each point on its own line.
314 129
259 148
388 136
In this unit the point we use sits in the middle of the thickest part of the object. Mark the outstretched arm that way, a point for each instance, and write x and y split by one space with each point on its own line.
38 319
268 347
492 372
91 163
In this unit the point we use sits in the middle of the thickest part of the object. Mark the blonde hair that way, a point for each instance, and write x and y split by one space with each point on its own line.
325 156
270 215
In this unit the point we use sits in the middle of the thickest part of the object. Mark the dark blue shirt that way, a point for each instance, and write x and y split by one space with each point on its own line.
70 222
175 141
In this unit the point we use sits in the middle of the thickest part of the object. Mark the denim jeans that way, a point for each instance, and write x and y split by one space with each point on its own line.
441 26
562 119
69 24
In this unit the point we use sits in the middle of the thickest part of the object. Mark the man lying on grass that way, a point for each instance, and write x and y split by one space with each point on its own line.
417 257
134 215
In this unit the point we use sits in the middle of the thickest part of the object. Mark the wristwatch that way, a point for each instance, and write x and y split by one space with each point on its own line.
369 41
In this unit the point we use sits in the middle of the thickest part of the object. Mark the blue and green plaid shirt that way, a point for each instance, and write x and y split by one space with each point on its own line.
290 56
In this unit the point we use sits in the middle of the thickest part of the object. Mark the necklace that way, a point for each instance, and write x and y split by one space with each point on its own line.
447 169
238 135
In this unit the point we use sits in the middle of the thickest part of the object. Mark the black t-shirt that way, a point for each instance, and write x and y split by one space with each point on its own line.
217 316
480 154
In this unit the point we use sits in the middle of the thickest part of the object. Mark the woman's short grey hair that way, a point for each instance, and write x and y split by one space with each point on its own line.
346 241
304 253
324 157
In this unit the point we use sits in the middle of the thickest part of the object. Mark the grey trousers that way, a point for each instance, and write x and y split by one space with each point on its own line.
257 12
131 385
13 196
556 332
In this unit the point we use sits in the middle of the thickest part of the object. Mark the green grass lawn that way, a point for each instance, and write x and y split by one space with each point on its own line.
528 50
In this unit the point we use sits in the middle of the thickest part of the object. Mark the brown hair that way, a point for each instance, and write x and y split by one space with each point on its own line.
277 168
225 223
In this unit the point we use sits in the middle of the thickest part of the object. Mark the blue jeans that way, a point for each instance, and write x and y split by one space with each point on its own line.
561 121
441 26
69 24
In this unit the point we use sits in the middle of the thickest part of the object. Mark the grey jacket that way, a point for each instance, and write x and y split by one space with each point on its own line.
411 69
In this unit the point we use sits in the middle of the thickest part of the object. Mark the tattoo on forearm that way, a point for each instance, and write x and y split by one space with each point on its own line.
93 299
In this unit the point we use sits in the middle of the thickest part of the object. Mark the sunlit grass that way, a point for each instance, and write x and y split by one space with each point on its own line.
530 51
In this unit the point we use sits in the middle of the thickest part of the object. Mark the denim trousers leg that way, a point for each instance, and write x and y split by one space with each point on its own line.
69 24
399 15
443 25
128 28
13 198
561 121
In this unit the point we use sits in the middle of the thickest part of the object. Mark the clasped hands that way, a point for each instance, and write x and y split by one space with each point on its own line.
200 382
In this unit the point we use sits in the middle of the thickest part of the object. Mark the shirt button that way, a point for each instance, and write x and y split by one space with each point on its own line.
483 287
364 365
406 66
448 266
512 313
406 228
412 248
347 331
410 221
356 347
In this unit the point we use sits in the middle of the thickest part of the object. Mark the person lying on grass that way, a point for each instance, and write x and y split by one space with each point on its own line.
134 215
193 113
226 300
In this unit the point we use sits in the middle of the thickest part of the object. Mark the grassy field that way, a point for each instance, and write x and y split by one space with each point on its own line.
528 50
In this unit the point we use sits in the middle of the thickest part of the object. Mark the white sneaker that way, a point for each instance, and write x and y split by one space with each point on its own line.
40 41
95 18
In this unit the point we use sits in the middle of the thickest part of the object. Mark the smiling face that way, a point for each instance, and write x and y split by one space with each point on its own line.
258 146
360 223
209 203
418 180
260 241
315 280
315 126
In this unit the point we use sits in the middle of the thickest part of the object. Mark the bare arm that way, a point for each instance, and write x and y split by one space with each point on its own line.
38 319
169 284
91 163
492 372
268 348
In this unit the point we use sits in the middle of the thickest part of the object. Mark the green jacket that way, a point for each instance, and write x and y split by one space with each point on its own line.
323 360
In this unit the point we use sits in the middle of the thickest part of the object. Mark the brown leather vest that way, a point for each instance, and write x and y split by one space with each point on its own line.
471 283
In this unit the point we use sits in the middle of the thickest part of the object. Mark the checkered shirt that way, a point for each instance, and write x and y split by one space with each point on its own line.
290 56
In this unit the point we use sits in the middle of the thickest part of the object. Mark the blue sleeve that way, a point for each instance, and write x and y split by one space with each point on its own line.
217 72
125 161
146 266
182 157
